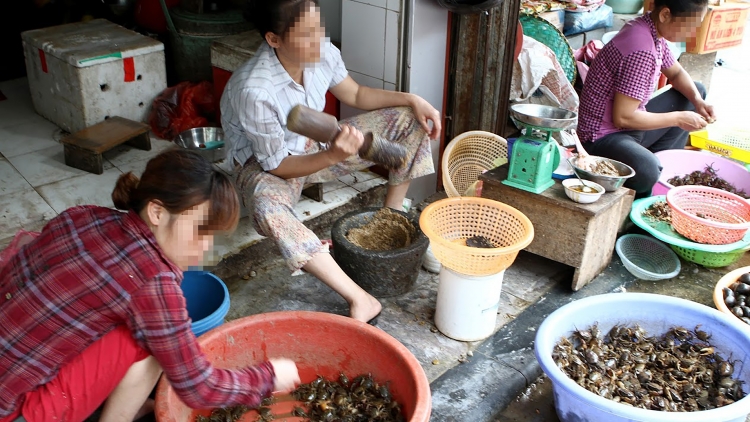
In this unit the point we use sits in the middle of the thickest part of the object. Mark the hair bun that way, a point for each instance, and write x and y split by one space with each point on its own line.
122 194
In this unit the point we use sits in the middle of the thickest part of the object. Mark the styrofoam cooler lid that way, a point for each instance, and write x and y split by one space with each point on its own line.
84 44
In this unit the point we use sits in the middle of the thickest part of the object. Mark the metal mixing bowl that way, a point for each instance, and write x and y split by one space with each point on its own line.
610 183
208 141
543 116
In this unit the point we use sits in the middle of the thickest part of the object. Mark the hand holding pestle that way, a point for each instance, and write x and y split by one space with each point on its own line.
324 128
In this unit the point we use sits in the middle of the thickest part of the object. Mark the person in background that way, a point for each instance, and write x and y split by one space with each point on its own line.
92 309
296 64
617 117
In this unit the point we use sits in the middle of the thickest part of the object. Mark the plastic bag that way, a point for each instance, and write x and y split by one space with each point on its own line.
21 239
184 106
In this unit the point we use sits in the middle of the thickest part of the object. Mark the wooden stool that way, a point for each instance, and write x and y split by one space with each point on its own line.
84 149
580 235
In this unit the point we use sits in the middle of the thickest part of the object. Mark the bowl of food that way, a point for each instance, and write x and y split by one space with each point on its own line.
732 294
583 193
611 174
323 346
207 141
597 353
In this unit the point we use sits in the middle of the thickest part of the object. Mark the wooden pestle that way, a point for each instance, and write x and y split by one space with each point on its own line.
324 128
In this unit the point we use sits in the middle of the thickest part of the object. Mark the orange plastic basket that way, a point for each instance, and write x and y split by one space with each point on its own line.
708 215
467 156
449 222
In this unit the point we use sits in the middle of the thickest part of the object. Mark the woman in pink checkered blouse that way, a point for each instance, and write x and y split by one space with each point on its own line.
617 117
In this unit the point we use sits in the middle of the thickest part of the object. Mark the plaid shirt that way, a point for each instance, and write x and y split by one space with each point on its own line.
90 270
629 64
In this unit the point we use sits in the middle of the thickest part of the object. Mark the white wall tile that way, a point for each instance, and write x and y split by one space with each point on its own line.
32 134
390 65
11 180
122 154
378 3
47 166
394 5
389 86
89 189
331 13
363 38
25 209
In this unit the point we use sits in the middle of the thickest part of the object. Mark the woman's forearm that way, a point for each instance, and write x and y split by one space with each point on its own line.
294 166
643 120
372 98
683 83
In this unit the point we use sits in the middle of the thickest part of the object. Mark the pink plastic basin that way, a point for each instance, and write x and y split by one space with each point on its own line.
679 162
320 343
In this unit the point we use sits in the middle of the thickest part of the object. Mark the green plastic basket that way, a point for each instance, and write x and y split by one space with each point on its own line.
709 259
546 33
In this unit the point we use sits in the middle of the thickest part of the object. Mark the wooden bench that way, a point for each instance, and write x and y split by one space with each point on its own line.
84 149
580 235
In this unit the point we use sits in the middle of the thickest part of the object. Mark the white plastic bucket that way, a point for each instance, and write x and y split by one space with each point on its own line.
467 305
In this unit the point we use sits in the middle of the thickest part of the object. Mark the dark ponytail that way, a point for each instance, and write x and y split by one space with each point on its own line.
275 16
680 8
178 180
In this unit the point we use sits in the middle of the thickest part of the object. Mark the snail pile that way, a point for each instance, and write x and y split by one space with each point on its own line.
737 298
677 372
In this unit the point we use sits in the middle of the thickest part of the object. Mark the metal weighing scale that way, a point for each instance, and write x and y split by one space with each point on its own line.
535 155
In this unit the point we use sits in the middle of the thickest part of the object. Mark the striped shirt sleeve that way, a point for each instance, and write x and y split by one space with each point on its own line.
336 64
262 127
160 324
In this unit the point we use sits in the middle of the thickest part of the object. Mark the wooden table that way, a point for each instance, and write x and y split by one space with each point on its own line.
580 235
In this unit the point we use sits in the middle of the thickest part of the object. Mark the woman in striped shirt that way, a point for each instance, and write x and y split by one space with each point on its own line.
294 65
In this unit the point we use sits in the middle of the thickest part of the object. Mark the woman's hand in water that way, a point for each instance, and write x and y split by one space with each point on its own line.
423 111
690 121
287 377
346 143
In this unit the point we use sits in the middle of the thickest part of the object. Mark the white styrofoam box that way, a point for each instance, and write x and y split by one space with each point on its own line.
82 73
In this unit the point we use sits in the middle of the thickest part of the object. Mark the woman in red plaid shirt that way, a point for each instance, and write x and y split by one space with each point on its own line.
92 309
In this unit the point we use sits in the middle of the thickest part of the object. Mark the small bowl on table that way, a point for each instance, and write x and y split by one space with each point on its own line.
610 183
727 281
575 190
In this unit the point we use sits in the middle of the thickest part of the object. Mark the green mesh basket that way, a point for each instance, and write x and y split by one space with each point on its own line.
546 33
709 259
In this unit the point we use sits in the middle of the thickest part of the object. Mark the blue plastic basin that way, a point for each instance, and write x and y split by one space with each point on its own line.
656 314
207 300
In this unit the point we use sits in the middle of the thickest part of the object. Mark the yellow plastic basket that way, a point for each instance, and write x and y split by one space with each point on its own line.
467 156
449 222
729 142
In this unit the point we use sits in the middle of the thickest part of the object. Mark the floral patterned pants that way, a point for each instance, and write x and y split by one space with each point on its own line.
271 199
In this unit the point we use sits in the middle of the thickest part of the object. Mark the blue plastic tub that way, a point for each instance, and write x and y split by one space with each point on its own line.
656 314
207 300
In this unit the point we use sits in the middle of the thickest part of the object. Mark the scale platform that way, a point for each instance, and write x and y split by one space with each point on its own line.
535 155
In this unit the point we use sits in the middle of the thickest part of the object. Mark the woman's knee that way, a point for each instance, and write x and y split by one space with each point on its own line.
701 89
647 172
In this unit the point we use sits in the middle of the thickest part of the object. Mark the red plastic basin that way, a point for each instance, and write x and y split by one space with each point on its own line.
320 343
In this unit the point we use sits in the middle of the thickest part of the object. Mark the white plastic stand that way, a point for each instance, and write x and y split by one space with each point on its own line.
467 305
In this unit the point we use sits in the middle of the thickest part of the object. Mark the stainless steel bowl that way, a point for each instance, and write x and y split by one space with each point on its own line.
208 141
543 116
610 183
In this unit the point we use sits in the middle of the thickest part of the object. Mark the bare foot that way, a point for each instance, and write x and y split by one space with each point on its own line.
365 309
148 407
